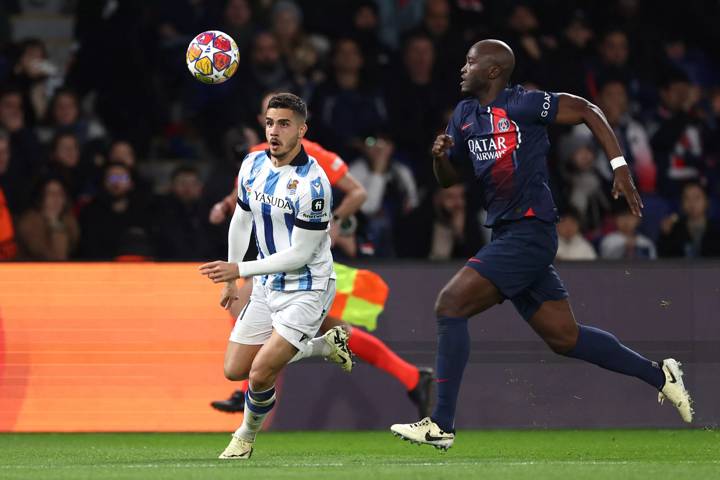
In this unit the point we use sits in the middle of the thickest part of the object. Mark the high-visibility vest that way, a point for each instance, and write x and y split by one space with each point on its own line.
8 247
360 296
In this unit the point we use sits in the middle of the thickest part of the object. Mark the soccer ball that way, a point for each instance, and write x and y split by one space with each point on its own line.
212 57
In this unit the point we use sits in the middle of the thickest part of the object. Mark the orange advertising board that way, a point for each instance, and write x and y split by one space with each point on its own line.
111 347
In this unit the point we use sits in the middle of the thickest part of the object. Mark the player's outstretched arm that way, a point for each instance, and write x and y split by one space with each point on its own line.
445 173
573 110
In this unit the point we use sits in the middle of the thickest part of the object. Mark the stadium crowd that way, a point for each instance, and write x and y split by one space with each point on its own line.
119 153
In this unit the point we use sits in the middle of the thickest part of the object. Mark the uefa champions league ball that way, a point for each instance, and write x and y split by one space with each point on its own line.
212 57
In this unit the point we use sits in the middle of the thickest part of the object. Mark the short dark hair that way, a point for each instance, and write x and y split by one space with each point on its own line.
571 212
289 101
185 170
38 190
59 136
670 75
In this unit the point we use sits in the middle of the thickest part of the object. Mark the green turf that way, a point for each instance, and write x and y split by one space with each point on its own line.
534 455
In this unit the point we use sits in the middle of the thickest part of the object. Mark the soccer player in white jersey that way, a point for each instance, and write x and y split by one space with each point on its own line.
285 196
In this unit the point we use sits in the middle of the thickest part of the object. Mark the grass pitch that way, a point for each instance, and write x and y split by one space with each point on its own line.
501 454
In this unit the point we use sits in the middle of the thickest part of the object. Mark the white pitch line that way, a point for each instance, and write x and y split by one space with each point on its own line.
265 464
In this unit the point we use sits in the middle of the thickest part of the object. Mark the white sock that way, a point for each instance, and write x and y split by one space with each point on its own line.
257 406
317 347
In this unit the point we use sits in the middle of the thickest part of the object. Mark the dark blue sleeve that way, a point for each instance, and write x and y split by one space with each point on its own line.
535 106
458 153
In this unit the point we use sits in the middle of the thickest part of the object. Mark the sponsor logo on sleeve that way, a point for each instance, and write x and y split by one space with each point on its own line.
545 105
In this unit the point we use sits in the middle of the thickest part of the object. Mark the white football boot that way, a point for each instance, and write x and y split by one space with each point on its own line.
674 389
238 449
337 339
424 432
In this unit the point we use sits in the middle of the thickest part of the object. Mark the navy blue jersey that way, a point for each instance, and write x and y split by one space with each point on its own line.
506 144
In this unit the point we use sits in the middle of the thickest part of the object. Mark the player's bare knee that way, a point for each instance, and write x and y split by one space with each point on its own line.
235 374
448 304
563 340
261 377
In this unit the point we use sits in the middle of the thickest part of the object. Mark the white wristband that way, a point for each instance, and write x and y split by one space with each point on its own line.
617 162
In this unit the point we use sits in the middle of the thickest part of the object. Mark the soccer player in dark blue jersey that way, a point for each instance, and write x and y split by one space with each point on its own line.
499 133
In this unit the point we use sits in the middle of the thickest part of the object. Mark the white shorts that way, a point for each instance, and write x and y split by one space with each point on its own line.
296 316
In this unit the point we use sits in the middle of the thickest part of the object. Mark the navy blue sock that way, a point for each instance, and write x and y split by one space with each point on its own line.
452 355
605 350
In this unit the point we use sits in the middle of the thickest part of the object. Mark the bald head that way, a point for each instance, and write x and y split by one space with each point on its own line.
489 65
499 53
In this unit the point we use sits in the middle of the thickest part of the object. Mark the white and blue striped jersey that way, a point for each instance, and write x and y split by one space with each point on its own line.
297 195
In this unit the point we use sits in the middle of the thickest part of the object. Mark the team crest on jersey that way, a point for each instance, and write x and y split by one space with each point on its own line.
292 186
504 125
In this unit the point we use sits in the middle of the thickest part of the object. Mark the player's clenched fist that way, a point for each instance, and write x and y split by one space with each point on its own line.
442 144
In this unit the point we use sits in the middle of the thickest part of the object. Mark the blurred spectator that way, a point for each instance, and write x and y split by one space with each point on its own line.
25 154
612 61
64 116
265 71
442 227
286 24
65 164
238 23
122 151
25 147
113 216
346 108
300 51
448 41
626 243
391 192
692 234
693 62
449 238
48 230
568 60
586 180
571 244
365 23
116 61
396 18
32 72
181 223
631 134
474 18
677 135
532 52
416 101
241 137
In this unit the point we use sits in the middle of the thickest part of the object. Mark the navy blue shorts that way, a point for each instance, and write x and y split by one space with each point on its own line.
518 261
